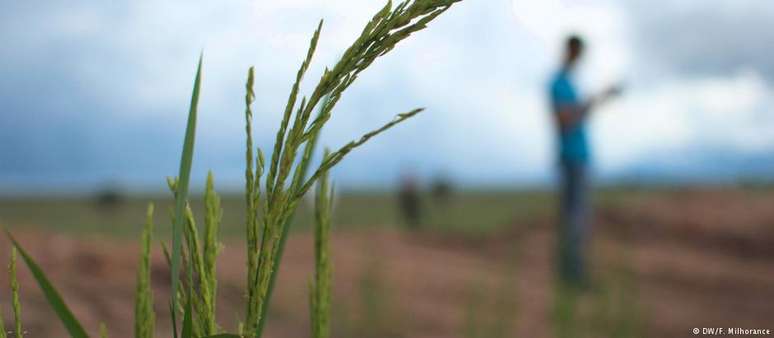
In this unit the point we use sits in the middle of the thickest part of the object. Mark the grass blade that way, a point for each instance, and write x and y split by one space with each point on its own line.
184 177
16 303
52 296
174 323
188 321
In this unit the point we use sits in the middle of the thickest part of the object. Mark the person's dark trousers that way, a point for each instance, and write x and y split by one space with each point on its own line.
574 223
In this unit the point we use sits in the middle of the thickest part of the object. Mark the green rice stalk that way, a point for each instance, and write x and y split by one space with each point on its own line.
182 187
16 303
250 208
183 285
144 316
200 263
103 333
388 27
278 171
195 273
277 205
3 332
252 192
74 328
298 178
320 295
337 156
209 281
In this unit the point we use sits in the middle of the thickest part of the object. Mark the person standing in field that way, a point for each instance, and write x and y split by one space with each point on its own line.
571 112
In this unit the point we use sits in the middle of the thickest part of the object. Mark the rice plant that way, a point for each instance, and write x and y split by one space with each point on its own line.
72 325
103 332
145 317
15 303
3 331
320 287
270 207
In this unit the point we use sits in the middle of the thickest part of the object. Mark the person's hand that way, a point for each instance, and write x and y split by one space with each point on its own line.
611 92
607 94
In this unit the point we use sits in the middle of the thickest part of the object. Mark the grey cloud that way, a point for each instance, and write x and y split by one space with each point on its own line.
698 38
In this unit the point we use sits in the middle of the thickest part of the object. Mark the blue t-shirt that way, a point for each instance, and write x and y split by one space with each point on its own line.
573 145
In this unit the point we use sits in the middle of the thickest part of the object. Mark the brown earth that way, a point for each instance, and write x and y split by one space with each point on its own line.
699 259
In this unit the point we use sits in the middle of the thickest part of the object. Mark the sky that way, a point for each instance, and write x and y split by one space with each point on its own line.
95 94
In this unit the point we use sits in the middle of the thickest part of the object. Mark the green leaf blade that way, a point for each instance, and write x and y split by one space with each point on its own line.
184 179
73 326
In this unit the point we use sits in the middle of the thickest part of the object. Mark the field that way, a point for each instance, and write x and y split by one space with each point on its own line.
665 261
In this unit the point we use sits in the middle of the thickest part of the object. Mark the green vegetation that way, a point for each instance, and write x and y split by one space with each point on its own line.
16 305
470 212
15 295
610 308
273 193
145 318
268 218
320 288
493 314
74 328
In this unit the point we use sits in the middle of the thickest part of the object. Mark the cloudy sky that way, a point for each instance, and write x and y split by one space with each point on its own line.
95 93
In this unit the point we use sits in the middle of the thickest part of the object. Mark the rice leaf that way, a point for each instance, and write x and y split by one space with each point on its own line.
181 191
174 323
52 296
188 321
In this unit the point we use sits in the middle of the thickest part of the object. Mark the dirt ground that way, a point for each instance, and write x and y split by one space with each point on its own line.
699 258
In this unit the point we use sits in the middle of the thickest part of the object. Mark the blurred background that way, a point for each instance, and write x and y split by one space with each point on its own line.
444 225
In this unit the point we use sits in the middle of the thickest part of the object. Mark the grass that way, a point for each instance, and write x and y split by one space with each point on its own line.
473 212
268 215
611 308
492 312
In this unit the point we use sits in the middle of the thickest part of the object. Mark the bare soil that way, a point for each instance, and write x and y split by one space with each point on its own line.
700 258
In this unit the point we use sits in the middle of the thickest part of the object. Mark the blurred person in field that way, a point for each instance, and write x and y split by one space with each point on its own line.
571 112
409 201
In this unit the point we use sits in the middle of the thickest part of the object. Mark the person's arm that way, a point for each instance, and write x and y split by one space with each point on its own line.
569 115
